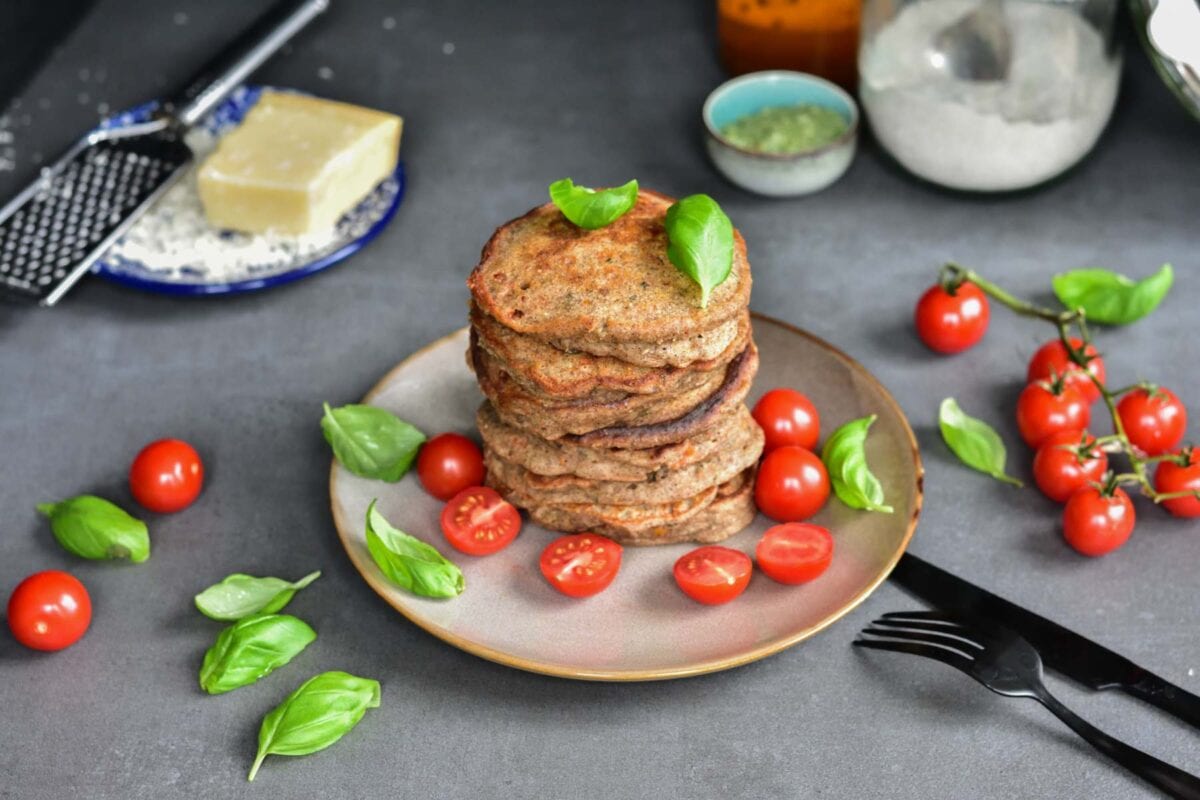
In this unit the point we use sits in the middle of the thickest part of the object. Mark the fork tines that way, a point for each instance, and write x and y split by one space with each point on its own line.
931 634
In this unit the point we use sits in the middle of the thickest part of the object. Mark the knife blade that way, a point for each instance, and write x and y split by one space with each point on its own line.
1062 650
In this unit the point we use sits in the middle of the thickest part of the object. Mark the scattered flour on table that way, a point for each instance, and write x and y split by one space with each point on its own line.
175 236
989 135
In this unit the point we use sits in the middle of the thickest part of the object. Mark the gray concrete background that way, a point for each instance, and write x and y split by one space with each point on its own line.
500 99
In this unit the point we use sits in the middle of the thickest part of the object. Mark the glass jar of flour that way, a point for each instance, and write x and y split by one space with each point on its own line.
988 95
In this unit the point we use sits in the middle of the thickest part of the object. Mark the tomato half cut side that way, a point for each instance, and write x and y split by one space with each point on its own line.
796 552
581 565
478 521
713 575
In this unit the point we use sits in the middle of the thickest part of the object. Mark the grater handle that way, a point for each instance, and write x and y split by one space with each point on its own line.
226 71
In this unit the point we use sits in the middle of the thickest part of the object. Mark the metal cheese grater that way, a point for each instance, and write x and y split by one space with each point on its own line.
54 230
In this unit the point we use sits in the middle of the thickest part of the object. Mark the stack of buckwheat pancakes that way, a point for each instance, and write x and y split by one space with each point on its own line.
614 402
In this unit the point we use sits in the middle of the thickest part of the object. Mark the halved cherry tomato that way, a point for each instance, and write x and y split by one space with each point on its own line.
1154 420
49 610
713 575
792 484
478 521
1174 476
1066 462
166 476
795 552
787 418
1052 360
950 323
581 565
1045 408
449 463
1095 524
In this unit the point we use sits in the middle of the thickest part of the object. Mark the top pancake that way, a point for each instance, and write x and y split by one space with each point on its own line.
542 276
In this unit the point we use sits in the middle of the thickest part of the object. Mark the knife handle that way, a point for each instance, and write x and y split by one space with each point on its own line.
226 71
1165 695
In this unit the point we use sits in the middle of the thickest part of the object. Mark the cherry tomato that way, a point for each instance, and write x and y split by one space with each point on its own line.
792 484
787 418
449 463
478 521
795 552
581 565
1171 476
1044 409
713 575
1155 421
166 476
49 610
950 323
1095 524
1060 467
1052 360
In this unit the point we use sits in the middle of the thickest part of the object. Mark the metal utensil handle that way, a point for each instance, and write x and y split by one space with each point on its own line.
1172 780
231 66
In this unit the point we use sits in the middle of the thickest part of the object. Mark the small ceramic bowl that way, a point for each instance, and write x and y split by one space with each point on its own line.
774 174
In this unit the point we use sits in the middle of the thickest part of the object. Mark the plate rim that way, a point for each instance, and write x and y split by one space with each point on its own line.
627 676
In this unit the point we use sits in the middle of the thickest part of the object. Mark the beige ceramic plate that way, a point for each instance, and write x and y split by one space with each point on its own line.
642 627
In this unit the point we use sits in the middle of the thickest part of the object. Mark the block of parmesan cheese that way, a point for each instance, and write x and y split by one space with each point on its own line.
296 164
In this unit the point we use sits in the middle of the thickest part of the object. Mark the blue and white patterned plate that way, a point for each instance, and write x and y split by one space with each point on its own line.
172 250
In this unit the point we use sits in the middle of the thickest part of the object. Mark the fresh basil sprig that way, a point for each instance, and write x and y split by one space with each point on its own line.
410 563
845 457
252 648
593 208
324 709
700 242
92 527
974 441
371 442
1110 298
239 596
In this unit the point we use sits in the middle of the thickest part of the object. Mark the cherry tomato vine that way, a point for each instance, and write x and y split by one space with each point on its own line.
1076 339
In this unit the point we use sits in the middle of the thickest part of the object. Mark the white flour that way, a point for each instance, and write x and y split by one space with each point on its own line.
175 238
989 136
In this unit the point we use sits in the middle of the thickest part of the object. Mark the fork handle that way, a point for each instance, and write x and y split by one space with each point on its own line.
1171 780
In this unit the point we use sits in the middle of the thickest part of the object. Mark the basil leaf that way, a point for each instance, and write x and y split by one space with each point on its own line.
371 442
974 441
845 457
252 648
239 596
592 208
92 527
324 709
700 242
410 563
1110 298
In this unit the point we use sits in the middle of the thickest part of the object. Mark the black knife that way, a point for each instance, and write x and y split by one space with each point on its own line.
1064 651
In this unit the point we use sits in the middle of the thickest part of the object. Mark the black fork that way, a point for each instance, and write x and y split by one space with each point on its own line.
1008 665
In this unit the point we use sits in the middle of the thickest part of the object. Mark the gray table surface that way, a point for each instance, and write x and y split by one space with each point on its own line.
501 99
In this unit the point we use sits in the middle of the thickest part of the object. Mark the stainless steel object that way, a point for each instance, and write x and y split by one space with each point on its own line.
55 229
1170 31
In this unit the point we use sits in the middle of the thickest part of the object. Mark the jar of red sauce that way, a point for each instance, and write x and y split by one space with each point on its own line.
817 36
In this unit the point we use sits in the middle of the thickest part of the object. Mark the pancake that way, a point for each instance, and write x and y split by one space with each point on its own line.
558 418
540 275
544 370
734 430
678 353
710 516
663 487
738 378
